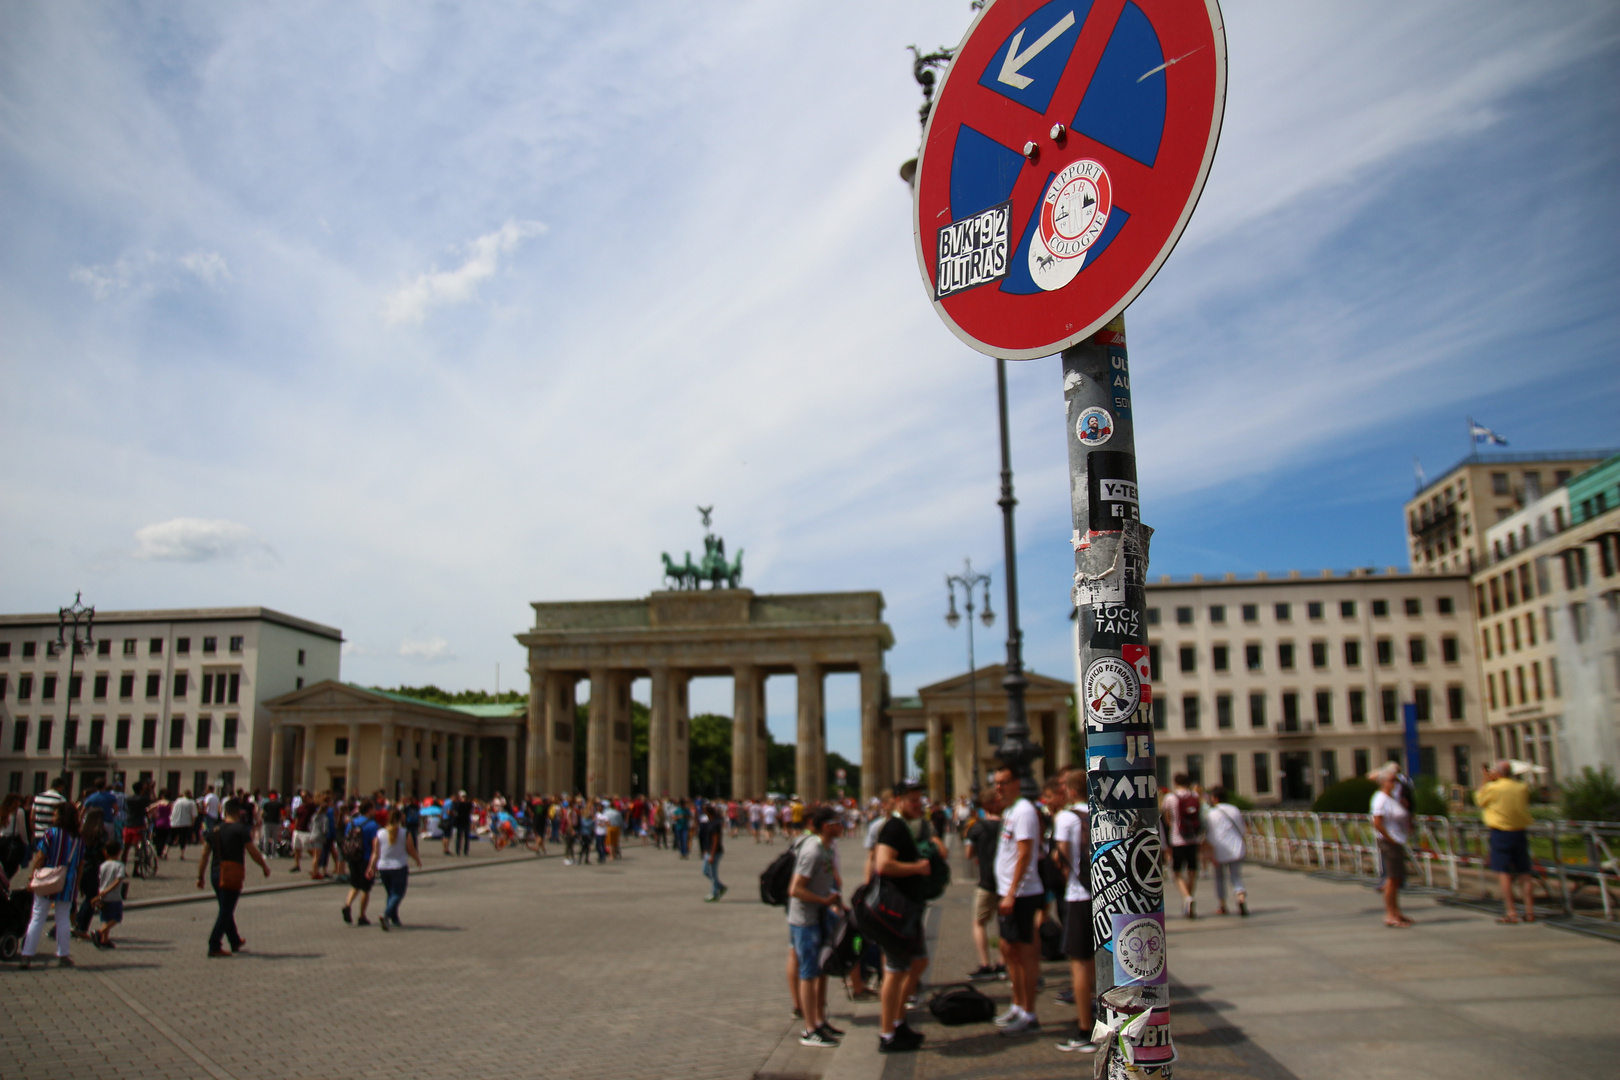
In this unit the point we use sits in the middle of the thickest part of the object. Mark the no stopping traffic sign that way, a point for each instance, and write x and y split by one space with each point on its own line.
1065 153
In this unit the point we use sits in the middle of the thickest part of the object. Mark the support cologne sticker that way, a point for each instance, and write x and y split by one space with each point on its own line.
1074 213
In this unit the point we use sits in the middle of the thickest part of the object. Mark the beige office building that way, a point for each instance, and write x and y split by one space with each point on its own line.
174 696
1279 687
1447 519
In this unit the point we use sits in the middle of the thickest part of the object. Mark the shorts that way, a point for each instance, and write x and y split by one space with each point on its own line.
133 837
1184 857
304 841
806 941
613 837
1510 852
112 911
1078 940
1019 927
1393 857
899 961
984 905
357 876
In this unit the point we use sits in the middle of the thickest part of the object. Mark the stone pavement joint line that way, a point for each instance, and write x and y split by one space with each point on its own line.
180 1041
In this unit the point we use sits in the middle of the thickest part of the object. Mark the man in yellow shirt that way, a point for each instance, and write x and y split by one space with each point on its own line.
1506 805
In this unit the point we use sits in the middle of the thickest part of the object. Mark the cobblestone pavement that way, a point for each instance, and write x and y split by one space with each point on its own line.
526 968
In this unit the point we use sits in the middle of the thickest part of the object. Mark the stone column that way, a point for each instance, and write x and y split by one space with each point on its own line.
475 768
599 736
810 758
441 764
511 789
897 757
680 747
1065 749
621 733
560 715
871 708
659 731
744 732
961 755
762 737
278 757
936 757
351 762
306 760
388 759
536 759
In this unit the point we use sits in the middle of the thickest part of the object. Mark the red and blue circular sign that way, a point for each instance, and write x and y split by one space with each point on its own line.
1065 152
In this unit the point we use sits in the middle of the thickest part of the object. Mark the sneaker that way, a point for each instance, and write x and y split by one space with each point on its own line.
363 921
1077 1044
910 1032
1243 908
383 922
1024 1025
1001 972
828 1029
899 1043
1013 1013
347 916
723 890
710 899
1192 909
1065 997
818 1038
982 972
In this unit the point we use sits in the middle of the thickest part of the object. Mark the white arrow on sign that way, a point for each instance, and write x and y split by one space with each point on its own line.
1015 59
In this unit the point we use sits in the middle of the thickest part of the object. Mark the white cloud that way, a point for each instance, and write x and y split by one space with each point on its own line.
410 303
207 265
431 650
143 273
196 540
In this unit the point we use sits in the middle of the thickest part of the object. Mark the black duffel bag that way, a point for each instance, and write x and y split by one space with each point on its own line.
888 916
961 1003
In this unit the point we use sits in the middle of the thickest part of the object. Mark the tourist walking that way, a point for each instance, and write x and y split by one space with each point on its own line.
813 902
53 878
1223 829
358 841
162 822
93 837
44 807
1181 811
1018 883
1393 823
228 848
461 812
1505 802
183 821
712 842
391 855
683 826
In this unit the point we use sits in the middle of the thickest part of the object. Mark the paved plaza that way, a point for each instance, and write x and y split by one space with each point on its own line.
518 966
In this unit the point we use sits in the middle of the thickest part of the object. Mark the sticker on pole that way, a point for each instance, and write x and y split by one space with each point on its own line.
1066 149
1139 949
1111 690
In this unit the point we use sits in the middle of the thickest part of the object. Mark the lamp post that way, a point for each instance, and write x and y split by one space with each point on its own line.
968 581
76 615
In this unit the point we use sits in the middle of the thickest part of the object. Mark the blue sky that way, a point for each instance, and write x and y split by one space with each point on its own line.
402 316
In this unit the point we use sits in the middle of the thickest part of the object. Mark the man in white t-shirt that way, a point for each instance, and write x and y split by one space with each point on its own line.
1393 822
770 822
1071 834
1018 882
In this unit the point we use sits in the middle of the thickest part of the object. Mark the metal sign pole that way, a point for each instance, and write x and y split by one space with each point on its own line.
1111 556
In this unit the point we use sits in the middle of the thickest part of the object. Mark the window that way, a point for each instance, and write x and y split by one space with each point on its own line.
1390 709
5 650
53 649
70 733
25 687
1347 609
1460 762
1195 768
1251 657
1330 768
1285 655
126 686
1161 771
1189 659
1363 762
1223 711
1313 610
1499 484
1318 654
1448 649
1251 612
298 684
43 743
1358 706
1454 702
300 657
1417 649
182 646
236 644
47 688
1290 710
1386 651
1153 663
1352 653
154 647
205 731
1257 710
121 733
1284 612
129 646
99 688
103 647
149 733
1262 773
1158 716
2 687
19 737
1380 609
98 732
199 782
14 784
341 745
1324 707
1189 712
1221 658
229 739
177 733
180 678
154 684
1420 697
1184 616
236 683
1445 606
210 645
1229 773
29 648
208 688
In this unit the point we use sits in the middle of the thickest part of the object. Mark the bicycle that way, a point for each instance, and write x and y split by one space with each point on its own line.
146 857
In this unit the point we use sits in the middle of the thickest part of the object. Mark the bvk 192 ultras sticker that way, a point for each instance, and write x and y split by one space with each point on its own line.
1074 212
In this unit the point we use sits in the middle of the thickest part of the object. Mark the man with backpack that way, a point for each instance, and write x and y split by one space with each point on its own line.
813 901
898 860
1182 811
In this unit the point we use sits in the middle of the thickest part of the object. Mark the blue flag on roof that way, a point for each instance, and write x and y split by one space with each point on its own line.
1483 434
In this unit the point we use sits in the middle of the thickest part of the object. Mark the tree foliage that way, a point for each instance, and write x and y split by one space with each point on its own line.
1592 796
438 696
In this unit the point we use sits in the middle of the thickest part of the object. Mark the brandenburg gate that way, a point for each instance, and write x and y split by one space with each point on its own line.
674 635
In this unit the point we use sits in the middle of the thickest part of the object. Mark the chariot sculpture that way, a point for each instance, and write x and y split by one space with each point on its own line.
713 568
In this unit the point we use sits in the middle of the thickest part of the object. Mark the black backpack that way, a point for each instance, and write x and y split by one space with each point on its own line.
354 843
886 915
1051 940
939 872
839 954
774 882
961 1003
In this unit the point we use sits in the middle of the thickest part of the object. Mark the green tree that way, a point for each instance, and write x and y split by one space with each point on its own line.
438 696
709 747
1592 796
920 757
852 774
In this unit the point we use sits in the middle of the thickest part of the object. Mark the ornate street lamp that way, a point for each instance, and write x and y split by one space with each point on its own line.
968 581
76 616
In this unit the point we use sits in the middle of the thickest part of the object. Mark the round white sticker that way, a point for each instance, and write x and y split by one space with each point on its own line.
1074 212
1139 948
1094 427
1112 690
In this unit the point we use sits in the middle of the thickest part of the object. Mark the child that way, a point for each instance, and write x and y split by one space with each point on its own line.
109 900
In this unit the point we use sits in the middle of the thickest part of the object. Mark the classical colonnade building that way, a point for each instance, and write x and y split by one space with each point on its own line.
671 637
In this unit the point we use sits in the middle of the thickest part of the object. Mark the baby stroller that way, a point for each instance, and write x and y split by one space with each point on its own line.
16 903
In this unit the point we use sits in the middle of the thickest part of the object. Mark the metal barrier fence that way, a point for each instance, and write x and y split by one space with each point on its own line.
1573 861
